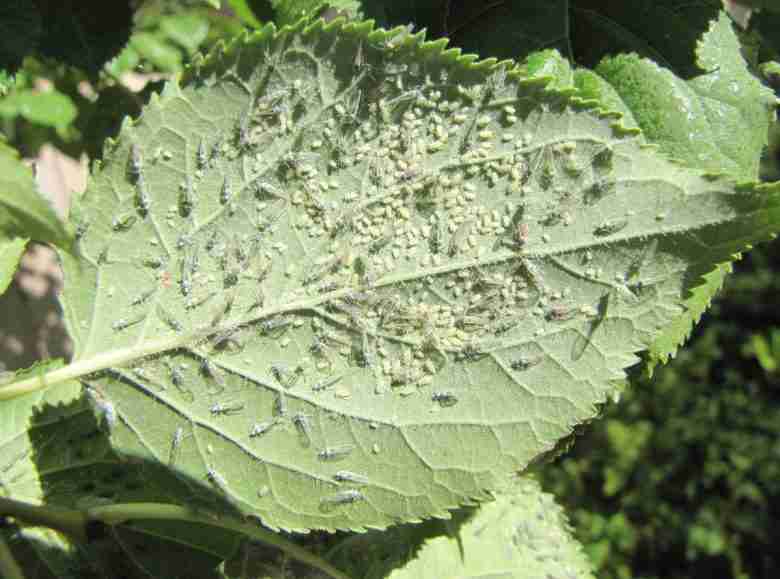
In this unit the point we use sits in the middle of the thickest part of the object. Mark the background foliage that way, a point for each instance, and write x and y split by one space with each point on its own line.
681 478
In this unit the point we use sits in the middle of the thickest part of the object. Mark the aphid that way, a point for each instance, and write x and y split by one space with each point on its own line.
226 193
337 452
260 428
524 363
209 370
280 406
472 353
350 477
186 194
344 497
495 82
274 325
123 222
141 298
170 321
202 155
178 436
104 410
285 376
219 409
460 235
216 479
226 340
559 313
192 304
444 398
142 197
325 384
123 323
136 162
610 227
301 422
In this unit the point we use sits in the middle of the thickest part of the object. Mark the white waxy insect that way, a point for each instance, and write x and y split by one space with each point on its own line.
280 406
273 326
337 452
219 409
344 497
209 370
350 477
285 375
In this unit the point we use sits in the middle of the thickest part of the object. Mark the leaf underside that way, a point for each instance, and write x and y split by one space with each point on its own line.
343 278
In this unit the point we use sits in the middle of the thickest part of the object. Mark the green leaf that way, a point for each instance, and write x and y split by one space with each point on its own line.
158 52
23 211
718 122
187 30
50 109
245 13
522 534
11 250
353 279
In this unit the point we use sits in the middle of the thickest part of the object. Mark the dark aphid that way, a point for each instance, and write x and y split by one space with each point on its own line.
444 398
219 409
610 227
335 452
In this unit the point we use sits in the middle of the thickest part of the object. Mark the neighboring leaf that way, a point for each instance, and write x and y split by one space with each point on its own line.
523 534
353 279
23 211
291 11
50 108
718 121
244 11
11 249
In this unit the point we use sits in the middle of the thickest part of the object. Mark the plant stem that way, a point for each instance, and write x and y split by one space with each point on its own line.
120 513
73 523
9 568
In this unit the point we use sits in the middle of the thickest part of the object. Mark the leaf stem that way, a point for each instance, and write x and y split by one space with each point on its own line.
9 568
73 523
